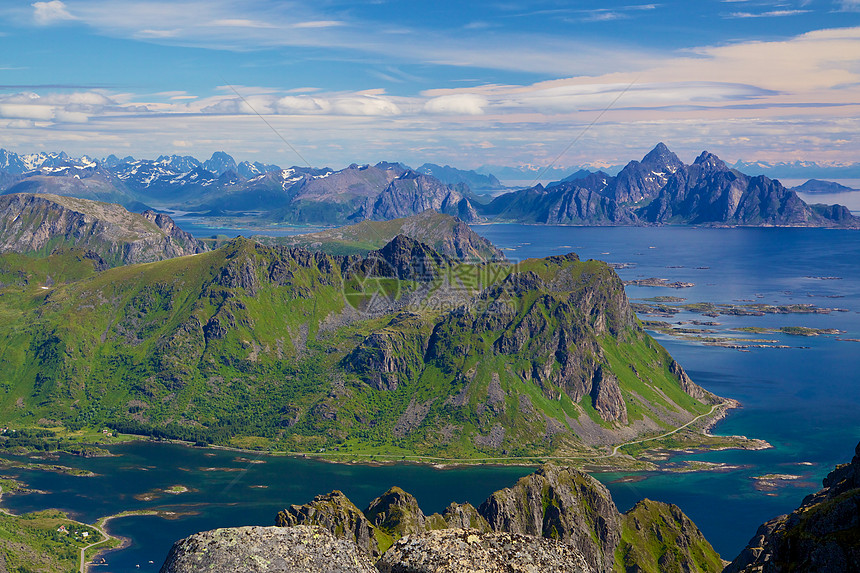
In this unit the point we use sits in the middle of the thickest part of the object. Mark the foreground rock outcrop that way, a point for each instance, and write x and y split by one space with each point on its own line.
459 550
823 534
651 524
254 549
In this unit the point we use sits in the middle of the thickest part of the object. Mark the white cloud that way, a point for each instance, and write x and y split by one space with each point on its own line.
46 13
75 107
465 103
850 5
365 105
157 34
302 105
769 96
769 14
25 111
66 116
319 24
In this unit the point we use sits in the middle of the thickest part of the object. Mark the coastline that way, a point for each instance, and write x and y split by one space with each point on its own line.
124 542
594 461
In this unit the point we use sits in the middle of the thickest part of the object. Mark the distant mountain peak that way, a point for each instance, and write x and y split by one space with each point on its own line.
711 162
662 157
220 163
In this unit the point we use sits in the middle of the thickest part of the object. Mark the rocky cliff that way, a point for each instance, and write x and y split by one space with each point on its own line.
413 193
563 504
708 192
41 223
823 534
335 513
567 202
556 518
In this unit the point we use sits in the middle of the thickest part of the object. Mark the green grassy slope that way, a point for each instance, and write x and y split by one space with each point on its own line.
402 353
658 538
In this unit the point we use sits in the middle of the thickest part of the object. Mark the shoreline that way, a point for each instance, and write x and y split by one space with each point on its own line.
124 542
592 462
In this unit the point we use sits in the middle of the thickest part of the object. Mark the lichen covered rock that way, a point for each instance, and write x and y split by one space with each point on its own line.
459 550
300 549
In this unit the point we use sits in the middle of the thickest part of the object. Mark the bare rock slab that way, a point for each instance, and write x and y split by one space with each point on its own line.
459 550
298 549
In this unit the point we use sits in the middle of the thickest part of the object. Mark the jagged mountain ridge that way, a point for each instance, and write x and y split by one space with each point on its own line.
660 189
404 348
41 223
221 186
557 518
663 190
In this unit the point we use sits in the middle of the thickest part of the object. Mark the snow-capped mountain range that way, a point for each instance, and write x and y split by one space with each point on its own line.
660 189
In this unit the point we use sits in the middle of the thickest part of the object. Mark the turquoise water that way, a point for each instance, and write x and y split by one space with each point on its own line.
803 400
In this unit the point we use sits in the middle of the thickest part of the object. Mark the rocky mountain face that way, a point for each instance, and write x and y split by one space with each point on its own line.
651 524
660 189
446 234
413 193
562 504
402 346
557 519
566 202
639 181
41 223
663 190
89 182
708 192
823 534
223 187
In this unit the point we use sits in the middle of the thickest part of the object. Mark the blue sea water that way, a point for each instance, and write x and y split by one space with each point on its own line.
802 399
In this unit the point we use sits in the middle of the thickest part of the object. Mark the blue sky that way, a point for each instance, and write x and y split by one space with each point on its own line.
464 83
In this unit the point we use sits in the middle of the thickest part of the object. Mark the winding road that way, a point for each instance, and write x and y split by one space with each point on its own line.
508 458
